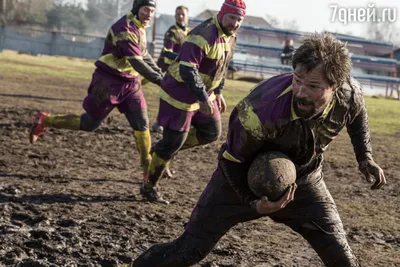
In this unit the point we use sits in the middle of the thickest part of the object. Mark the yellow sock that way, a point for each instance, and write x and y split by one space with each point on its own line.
156 168
70 121
143 145
191 140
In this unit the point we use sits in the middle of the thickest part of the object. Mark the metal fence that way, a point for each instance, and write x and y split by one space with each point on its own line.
37 42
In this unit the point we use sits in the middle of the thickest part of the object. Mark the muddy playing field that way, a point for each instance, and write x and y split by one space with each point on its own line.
73 198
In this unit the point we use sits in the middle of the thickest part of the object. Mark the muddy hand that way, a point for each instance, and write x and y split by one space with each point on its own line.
207 108
264 206
372 173
221 103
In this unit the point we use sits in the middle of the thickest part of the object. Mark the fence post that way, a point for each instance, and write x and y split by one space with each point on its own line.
2 37
53 44
153 43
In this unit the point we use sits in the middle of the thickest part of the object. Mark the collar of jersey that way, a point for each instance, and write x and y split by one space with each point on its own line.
135 20
220 31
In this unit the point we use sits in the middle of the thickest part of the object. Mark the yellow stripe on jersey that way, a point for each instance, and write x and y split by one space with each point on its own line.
250 120
181 105
200 42
208 81
228 156
126 36
121 65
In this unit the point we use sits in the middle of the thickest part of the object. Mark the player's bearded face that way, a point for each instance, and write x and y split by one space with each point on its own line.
231 23
311 92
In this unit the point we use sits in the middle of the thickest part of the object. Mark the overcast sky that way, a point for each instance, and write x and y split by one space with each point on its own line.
311 15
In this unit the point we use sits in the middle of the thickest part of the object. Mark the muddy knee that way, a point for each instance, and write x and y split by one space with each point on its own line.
209 133
138 119
89 124
170 144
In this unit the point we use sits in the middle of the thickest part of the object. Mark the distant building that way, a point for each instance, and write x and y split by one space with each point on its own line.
248 20
396 54
163 22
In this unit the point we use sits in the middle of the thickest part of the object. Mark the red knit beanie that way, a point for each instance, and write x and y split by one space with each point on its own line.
236 7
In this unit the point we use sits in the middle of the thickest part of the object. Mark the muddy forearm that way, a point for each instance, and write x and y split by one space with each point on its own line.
192 79
358 131
146 71
170 55
220 87
236 174
151 63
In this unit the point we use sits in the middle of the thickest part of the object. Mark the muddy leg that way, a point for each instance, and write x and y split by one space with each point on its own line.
182 252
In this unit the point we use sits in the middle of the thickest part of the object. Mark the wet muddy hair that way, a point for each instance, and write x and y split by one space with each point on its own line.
325 51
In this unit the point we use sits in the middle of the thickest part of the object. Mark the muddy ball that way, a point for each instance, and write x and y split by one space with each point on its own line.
271 174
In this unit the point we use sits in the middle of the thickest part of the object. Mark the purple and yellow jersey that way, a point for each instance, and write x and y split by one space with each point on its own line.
126 39
265 119
173 40
207 49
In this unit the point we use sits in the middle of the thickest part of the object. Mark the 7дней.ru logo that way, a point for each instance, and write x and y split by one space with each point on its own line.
361 14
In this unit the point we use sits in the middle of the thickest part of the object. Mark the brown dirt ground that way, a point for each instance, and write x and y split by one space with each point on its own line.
73 198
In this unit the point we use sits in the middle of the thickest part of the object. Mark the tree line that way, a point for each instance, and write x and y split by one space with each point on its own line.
64 15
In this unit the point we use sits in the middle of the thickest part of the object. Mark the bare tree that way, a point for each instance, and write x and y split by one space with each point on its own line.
382 29
285 24
23 12
290 25
123 6
273 21
103 13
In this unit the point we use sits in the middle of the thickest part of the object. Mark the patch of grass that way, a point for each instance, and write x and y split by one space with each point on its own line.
384 115
235 90
62 67
46 61
31 70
